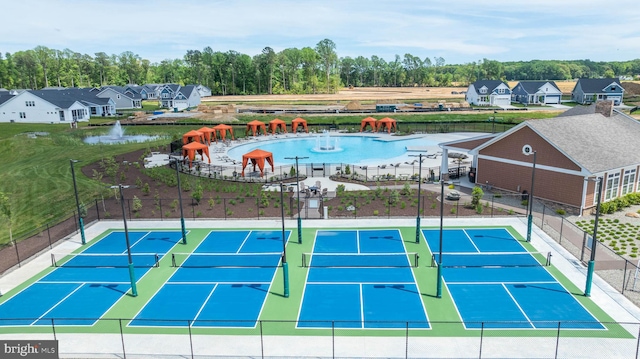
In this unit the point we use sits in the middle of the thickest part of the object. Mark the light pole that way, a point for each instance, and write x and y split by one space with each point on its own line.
419 189
132 275
527 150
184 230
75 190
439 279
298 206
285 265
592 259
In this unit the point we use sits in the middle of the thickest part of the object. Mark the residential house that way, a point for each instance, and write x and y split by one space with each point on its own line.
488 93
571 151
42 106
122 97
587 91
536 93
179 97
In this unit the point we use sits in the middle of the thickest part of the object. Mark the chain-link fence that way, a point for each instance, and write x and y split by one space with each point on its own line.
620 272
342 339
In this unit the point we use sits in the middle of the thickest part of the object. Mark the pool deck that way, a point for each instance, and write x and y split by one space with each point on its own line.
401 167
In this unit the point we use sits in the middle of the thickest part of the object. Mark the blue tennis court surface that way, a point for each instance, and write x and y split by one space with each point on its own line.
88 284
355 277
492 278
223 283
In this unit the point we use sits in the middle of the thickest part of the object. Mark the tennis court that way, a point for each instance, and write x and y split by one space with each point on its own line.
496 283
223 283
99 275
355 277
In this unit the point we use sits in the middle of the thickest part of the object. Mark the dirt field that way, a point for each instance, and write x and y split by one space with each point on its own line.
384 94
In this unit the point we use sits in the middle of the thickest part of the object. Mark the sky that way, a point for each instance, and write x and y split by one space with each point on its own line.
460 31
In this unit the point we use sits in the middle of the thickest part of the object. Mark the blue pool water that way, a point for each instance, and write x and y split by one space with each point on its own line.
349 149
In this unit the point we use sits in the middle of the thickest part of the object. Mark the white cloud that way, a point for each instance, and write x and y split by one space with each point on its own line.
460 31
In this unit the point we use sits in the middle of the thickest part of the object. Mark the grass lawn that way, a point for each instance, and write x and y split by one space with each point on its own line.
36 174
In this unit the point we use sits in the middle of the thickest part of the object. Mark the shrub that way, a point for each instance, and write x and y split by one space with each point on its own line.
406 189
137 204
197 193
476 195
138 182
561 211
453 210
212 203
347 170
145 189
375 212
340 188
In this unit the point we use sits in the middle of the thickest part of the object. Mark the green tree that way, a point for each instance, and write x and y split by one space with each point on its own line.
326 49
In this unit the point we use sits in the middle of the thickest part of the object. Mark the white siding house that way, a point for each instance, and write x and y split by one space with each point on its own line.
488 93
44 106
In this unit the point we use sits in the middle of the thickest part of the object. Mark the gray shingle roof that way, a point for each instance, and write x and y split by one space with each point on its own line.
596 85
5 96
532 87
187 90
593 140
490 84
60 98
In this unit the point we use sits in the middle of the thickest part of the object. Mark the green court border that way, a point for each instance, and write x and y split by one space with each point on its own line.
279 314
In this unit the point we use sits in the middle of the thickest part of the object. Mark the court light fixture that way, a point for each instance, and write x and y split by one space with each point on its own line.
298 207
285 265
527 150
182 225
75 191
594 243
419 190
132 275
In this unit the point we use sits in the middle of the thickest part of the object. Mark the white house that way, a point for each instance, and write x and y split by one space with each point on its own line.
44 106
488 93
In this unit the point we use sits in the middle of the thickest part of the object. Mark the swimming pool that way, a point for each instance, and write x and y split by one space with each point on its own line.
348 148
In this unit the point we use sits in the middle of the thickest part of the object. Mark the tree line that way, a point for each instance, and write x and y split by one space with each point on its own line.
297 71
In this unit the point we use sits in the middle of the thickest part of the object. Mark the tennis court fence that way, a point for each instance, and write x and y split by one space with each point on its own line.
620 272
113 338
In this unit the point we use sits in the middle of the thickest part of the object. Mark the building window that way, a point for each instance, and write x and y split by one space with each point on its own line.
23 115
611 190
30 103
628 181
118 97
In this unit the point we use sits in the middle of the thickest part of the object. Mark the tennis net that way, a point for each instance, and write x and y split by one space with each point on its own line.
492 259
360 260
226 260
112 260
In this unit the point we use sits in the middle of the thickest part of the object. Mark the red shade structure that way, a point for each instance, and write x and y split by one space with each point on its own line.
257 158
208 134
299 121
193 136
223 130
254 125
275 123
368 121
189 150
387 123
